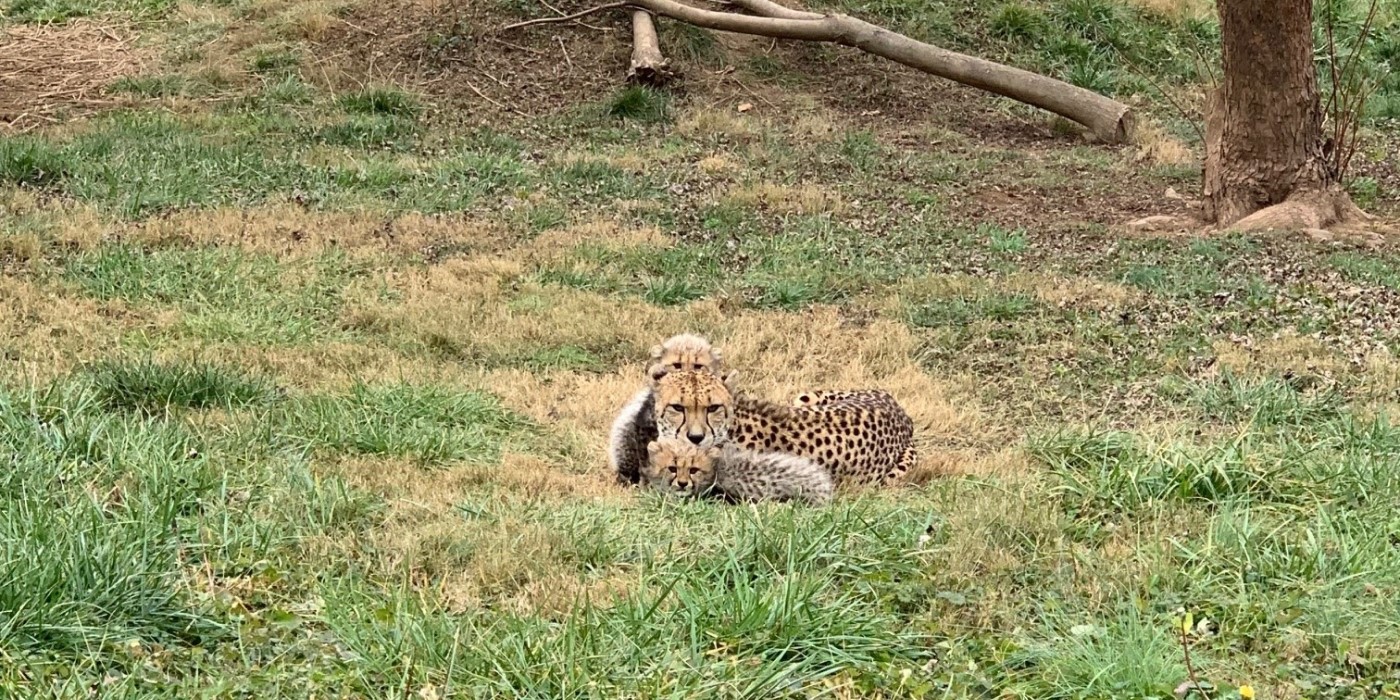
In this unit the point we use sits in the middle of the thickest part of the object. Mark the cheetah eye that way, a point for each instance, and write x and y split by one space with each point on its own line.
671 469
694 471
677 408
677 365
714 407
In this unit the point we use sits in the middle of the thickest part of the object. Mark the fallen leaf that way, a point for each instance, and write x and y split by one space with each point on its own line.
745 107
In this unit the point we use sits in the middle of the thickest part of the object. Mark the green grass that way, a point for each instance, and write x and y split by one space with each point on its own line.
58 11
151 86
140 163
382 101
223 295
640 104
423 423
152 387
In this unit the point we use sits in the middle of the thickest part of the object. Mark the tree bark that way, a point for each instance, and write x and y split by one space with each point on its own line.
1264 140
1109 120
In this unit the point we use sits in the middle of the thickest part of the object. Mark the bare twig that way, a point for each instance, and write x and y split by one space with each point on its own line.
1348 95
749 90
1181 110
1186 653
483 96
558 11
1331 64
567 18
517 47
568 61
767 8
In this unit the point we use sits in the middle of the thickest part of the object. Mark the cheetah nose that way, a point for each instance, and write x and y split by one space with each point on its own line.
697 439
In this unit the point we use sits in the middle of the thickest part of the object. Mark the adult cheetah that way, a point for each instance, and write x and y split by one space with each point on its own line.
859 436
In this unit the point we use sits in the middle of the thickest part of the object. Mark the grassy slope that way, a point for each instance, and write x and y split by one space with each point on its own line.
306 388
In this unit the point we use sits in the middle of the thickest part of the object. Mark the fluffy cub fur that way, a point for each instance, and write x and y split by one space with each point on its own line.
679 466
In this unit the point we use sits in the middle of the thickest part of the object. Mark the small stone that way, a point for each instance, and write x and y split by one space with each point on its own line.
1161 222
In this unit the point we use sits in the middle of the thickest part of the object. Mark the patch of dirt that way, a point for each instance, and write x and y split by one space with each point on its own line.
47 71
453 49
454 52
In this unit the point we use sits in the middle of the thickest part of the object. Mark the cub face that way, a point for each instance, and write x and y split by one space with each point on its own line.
677 466
686 352
693 406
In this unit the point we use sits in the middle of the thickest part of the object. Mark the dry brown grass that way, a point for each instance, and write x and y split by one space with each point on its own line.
1288 353
1061 291
292 231
48 71
710 124
1156 146
499 557
45 332
718 165
559 244
787 199
1177 9
311 20
1073 291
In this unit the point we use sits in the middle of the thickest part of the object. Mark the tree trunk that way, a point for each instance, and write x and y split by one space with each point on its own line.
649 67
1264 140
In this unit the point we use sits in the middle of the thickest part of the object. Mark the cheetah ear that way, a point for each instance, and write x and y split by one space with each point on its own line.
729 380
656 352
653 448
714 450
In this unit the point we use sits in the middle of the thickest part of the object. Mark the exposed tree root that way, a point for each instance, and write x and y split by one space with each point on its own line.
1109 120
1303 211
1324 215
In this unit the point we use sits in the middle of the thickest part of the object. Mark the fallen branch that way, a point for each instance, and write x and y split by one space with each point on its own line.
649 67
1109 120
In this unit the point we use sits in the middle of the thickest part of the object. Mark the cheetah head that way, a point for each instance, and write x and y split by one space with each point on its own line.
686 352
695 406
677 466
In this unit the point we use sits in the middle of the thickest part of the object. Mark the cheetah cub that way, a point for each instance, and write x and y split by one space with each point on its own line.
635 425
677 466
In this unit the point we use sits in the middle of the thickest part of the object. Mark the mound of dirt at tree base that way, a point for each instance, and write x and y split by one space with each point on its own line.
454 51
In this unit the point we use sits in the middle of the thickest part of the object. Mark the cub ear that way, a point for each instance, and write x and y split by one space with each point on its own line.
714 450
656 352
729 378
653 448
